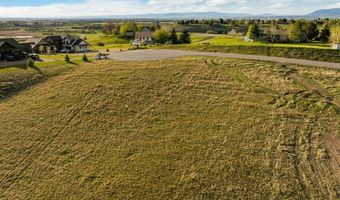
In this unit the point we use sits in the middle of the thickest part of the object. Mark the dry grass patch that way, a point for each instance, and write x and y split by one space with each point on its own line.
188 128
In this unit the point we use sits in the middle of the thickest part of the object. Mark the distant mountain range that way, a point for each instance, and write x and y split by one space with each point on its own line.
326 13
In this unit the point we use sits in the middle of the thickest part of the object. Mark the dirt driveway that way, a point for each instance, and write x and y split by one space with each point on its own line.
161 54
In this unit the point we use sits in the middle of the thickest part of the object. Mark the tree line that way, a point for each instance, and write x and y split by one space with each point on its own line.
299 31
160 35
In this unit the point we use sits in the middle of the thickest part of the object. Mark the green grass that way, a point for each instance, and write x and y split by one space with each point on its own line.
110 41
225 40
188 128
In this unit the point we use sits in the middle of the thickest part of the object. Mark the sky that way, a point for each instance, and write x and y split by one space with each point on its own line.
74 8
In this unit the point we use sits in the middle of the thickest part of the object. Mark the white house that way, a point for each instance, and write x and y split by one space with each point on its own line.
143 37
71 44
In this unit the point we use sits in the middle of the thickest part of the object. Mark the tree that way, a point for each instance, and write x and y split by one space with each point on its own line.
253 32
116 30
67 59
161 36
335 34
324 34
30 63
108 28
297 32
185 37
173 37
85 59
312 30
127 27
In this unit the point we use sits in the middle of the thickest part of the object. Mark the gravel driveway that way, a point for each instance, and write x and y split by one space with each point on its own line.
161 54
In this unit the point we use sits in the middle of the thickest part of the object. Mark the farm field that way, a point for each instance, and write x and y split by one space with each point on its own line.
186 128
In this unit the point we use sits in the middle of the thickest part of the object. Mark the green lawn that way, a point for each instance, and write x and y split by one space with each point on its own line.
225 40
110 41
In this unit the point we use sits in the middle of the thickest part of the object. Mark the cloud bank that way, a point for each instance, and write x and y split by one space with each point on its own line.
128 7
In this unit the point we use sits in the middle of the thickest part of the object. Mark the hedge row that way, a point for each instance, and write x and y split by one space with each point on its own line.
328 55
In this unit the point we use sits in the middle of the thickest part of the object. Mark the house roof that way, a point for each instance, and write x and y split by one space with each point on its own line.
145 29
33 40
144 33
11 41
78 41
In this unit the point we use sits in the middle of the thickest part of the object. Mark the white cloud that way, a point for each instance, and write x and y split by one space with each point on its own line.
127 7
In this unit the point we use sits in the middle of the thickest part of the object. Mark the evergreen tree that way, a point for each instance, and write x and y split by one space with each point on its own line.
185 37
325 34
30 63
173 37
85 59
253 32
67 59
312 30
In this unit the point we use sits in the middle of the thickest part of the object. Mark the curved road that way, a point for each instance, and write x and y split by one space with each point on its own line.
161 54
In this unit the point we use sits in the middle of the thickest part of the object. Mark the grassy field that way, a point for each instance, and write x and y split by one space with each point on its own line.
188 128
226 40
110 41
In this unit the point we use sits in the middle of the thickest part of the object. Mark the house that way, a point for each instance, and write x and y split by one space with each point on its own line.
74 44
47 45
57 44
11 50
143 37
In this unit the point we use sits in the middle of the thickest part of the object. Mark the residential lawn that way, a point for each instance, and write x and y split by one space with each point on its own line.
110 41
225 40
186 128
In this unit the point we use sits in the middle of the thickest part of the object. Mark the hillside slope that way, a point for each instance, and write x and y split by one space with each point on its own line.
325 13
189 128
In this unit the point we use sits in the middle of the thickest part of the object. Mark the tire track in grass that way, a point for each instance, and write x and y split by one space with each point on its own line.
297 164
13 176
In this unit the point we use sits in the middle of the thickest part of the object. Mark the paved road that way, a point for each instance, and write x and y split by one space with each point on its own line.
149 55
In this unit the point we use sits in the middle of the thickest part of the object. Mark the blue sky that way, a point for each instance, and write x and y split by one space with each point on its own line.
65 8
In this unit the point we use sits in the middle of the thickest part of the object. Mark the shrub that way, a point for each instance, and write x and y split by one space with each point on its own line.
67 58
211 32
85 59
100 44
30 63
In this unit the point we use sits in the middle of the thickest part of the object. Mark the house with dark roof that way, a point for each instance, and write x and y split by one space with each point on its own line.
74 44
145 36
11 50
46 45
57 44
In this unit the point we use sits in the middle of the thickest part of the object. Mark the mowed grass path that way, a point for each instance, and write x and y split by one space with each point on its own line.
188 128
